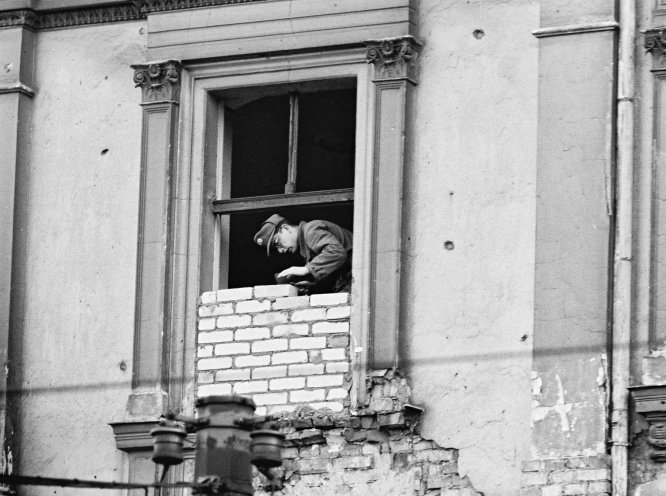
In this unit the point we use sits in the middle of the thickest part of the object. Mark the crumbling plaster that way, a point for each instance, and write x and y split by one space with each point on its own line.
471 180
76 205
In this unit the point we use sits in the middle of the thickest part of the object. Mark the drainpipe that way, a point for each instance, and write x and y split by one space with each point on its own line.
622 260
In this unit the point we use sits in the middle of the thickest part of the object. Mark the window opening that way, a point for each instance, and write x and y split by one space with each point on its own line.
292 153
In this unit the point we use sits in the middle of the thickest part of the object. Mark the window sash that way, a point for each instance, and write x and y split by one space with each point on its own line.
270 202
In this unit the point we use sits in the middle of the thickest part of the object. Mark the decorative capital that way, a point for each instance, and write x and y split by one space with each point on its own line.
655 41
650 401
159 81
394 58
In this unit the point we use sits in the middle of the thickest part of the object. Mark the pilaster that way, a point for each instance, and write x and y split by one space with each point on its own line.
160 86
394 78
16 57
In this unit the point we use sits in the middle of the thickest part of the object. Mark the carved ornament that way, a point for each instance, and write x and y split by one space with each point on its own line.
159 82
23 17
393 58
120 10
650 401
655 41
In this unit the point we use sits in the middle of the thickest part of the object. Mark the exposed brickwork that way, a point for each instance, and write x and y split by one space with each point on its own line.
328 454
281 349
585 475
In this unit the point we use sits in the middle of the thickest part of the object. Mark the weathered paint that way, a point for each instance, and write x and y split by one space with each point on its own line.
471 181
77 208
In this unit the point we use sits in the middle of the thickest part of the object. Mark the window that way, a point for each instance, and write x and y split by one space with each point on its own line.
288 149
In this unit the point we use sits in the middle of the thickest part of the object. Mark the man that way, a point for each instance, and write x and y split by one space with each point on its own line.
325 247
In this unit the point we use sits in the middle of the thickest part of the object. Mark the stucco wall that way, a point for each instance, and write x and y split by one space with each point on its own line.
471 180
77 207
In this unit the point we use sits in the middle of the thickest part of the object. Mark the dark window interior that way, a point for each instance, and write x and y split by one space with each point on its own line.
259 162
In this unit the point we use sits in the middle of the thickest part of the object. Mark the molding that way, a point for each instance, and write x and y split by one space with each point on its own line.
394 58
24 17
159 81
133 436
17 88
119 11
591 27
650 401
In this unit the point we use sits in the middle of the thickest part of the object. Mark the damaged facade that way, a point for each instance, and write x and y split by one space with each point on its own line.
500 166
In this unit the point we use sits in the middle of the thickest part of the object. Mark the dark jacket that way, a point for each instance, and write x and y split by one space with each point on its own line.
327 249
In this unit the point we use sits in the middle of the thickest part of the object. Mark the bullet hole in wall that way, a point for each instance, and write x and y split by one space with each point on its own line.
448 245
523 337
105 151
478 33
122 365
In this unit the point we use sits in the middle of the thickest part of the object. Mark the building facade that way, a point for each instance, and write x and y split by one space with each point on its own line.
499 163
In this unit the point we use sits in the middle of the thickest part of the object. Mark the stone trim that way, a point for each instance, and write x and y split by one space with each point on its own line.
592 27
582 475
126 10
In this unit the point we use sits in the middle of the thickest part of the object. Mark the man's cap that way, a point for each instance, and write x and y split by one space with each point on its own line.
264 236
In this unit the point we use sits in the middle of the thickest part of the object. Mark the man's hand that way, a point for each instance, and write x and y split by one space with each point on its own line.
294 272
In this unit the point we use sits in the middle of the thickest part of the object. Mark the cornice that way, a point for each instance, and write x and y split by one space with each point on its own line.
123 10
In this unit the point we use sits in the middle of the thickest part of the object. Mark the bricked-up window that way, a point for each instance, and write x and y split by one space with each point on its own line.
286 149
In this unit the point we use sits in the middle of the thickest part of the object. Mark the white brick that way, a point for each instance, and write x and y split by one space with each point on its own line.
337 394
270 318
325 380
338 313
330 327
329 299
205 377
291 302
206 324
289 383
275 290
214 389
307 396
223 309
253 306
290 357
270 398
209 297
252 361
308 314
337 367
204 351
215 337
214 363
333 354
269 372
250 387
307 343
335 406
261 411
306 369
252 333
232 349
232 375
290 330
279 409
205 310
233 321
269 345
234 294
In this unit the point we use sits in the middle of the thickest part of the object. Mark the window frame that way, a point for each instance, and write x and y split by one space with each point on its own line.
201 151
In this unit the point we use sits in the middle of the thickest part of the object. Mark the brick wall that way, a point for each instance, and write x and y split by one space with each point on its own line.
583 475
282 350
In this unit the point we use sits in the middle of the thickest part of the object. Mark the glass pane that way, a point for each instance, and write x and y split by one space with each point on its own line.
260 147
